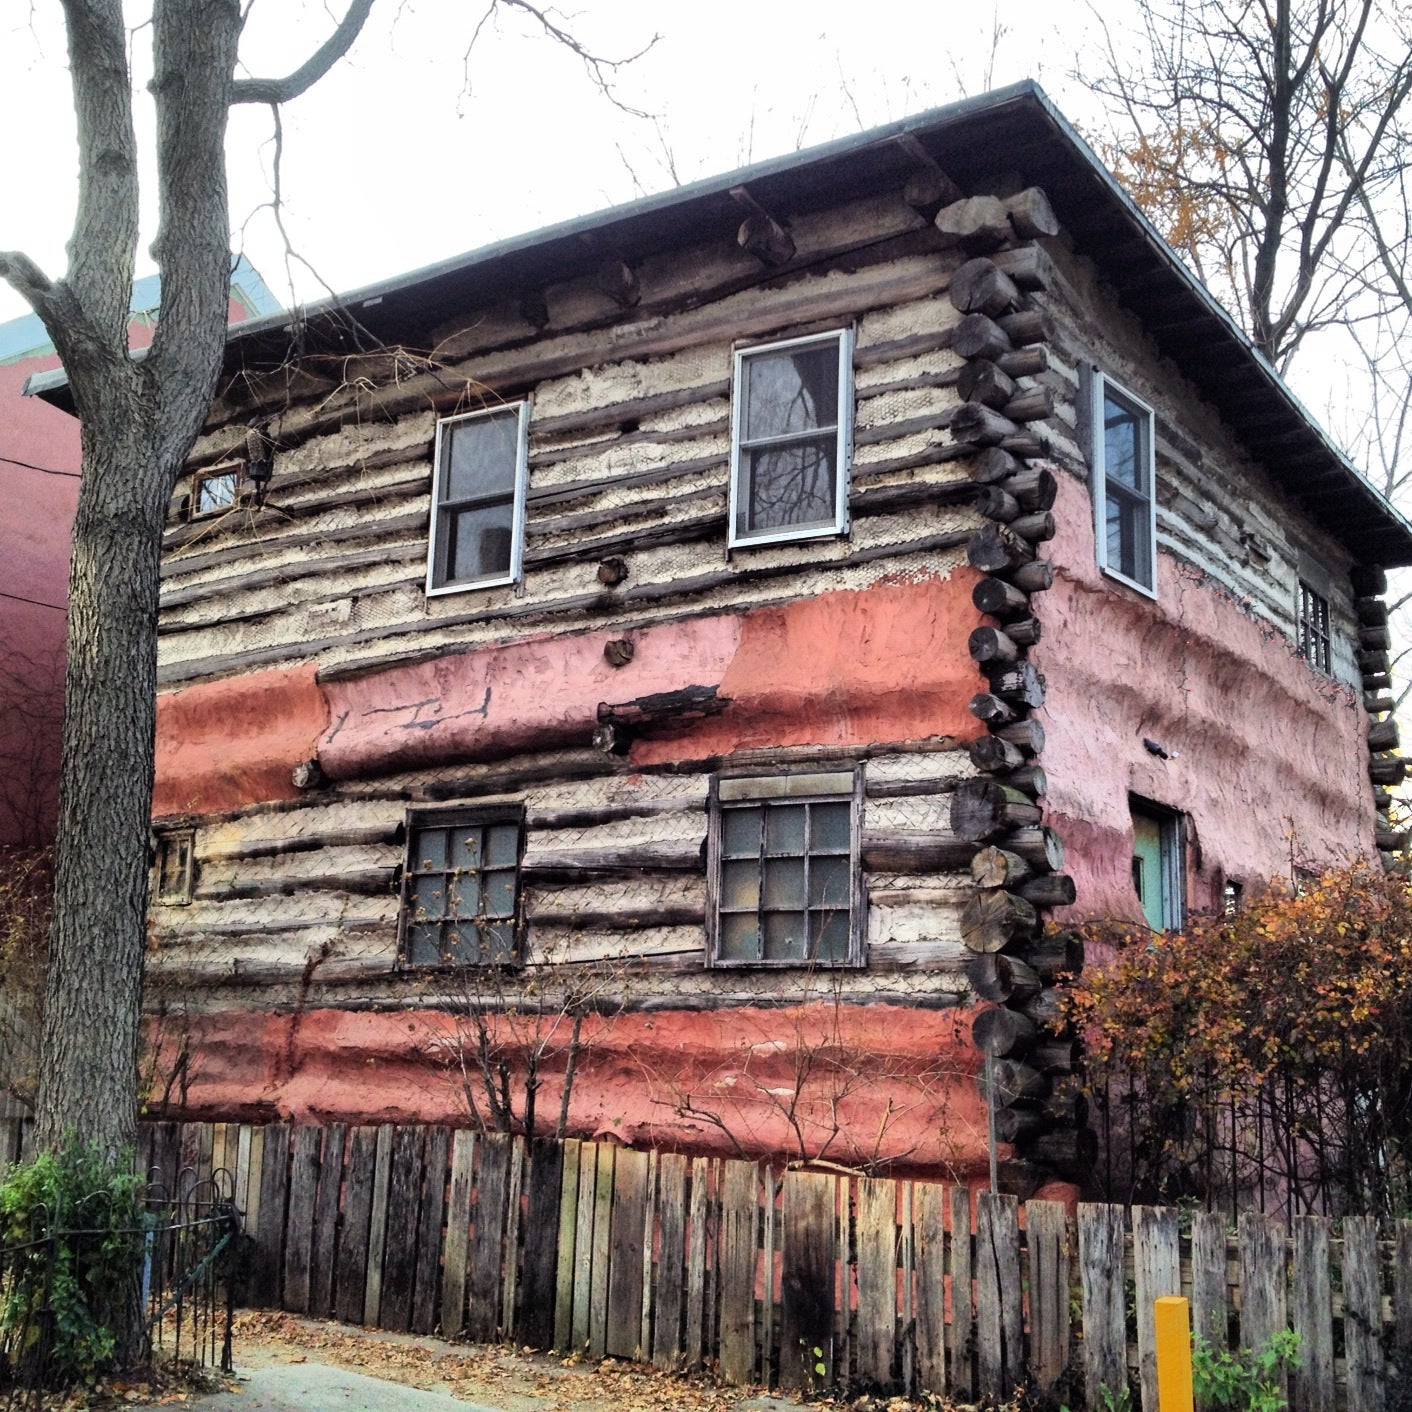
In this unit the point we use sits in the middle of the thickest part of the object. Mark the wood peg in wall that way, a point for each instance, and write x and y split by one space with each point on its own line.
308 774
611 572
618 652
612 740
617 280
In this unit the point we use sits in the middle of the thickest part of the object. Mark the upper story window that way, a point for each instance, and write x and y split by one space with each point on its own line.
792 417
1124 482
216 489
478 500
460 889
1314 636
785 872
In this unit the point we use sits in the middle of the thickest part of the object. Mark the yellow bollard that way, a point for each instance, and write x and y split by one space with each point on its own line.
1173 1320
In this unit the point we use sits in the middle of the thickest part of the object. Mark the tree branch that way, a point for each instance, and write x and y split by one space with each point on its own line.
282 90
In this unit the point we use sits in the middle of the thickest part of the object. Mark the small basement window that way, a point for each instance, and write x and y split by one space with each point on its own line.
175 866
478 500
460 890
216 489
1315 639
1124 481
791 424
1159 865
785 872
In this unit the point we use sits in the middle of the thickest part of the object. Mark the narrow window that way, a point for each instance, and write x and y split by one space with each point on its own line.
786 872
1123 485
175 850
478 500
1159 868
216 490
460 891
791 420
1314 636
1232 897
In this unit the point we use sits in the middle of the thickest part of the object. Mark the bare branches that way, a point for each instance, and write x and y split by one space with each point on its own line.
282 90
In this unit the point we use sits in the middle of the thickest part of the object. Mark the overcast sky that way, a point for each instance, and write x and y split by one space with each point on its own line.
408 152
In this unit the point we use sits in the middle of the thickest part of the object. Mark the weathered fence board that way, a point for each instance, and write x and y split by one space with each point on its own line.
458 1230
1311 1314
1262 1281
999 1316
377 1230
269 1242
488 1238
671 1259
1046 1240
324 1257
602 1252
1208 1277
1156 1272
583 1244
963 1322
424 1288
740 1206
399 1264
353 1240
1362 1314
695 1341
1101 1273
564 1255
536 1326
807 1319
877 1280
627 1227
929 1224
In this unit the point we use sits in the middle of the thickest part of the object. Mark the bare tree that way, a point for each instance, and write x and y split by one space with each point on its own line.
139 419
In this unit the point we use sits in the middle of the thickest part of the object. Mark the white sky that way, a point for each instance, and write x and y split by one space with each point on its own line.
390 164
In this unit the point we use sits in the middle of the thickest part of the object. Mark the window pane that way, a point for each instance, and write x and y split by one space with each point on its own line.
431 850
788 485
740 884
784 829
784 882
478 543
740 937
500 894
215 492
828 882
479 456
498 945
741 833
828 935
792 390
1123 452
784 937
423 943
465 848
463 895
502 846
429 899
831 828
1129 538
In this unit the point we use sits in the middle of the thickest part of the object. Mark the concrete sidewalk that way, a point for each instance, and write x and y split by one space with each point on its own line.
316 1387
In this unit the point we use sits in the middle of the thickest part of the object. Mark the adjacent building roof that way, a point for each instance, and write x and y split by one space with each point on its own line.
1012 129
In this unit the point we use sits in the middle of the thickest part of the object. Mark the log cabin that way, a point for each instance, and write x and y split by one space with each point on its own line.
733 627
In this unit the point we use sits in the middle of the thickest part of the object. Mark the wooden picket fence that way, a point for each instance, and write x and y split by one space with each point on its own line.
806 1280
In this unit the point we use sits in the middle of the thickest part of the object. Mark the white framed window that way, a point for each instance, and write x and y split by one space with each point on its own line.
1124 484
791 434
216 489
477 532
785 886
1159 865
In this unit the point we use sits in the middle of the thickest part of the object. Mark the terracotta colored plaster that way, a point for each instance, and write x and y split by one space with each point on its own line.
886 663
913 1101
1267 756
227 743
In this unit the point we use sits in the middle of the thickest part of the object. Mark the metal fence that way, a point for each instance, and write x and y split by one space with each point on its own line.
181 1300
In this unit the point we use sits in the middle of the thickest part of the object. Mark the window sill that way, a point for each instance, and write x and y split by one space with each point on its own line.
441 590
793 536
1128 583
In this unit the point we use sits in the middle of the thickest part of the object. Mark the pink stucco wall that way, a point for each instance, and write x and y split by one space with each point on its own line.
1268 758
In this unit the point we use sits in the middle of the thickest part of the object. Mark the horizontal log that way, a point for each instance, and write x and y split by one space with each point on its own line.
366 882
992 466
994 866
1375 639
631 860
995 976
1054 890
1001 1032
1027 734
628 919
920 853
1000 599
1033 487
1030 266
990 753
391 833
1391 840
1371 612
618 280
1024 362
1046 1009
1383 735
1026 443
1019 683
1379 704
1024 633
1374 682
1031 215
980 380
978 425
996 504
1029 779
977 336
1378 660
975 223
1040 847
1029 326
928 189
994 919
1057 954
1011 1082
1034 404
1072 1152
1054 1056
1368 581
689 703
982 810
1036 527
991 645
1387 769
980 286
995 549
1018 1123
1034 577
766 239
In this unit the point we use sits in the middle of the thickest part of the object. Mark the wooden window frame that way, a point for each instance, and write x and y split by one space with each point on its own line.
1172 841
166 839
436 585
479 816
199 478
751 789
1314 639
1101 385
842 339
